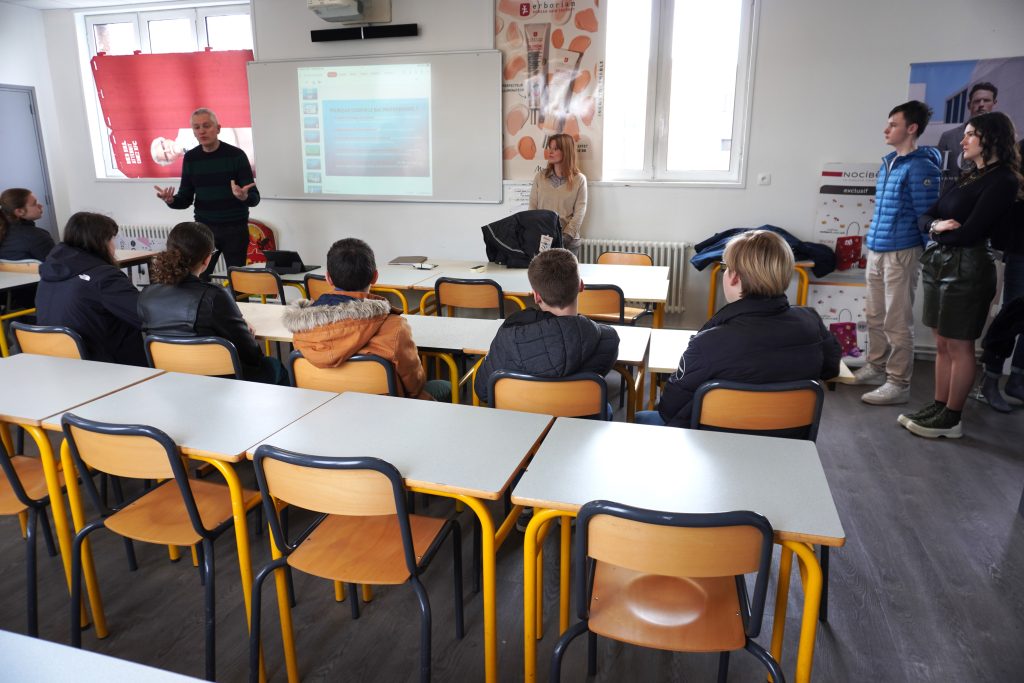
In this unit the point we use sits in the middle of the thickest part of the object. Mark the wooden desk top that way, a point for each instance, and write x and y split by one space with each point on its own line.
210 416
33 660
265 320
10 279
37 387
440 446
132 257
684 470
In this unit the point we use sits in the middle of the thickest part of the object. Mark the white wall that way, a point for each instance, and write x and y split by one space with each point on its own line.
826 75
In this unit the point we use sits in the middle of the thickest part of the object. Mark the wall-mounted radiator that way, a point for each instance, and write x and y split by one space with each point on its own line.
671 254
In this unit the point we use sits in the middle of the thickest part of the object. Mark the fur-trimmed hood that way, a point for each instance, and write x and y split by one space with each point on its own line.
304 315
342 324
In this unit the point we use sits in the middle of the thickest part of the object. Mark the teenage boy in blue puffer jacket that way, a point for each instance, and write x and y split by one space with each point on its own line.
908 182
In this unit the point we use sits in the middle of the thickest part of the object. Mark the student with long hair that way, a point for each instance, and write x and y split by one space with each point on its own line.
81 287
563 189
19 237
179 304
959 273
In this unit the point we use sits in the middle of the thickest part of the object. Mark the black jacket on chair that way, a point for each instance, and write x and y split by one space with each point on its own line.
95 299
194 308
542 344
757 340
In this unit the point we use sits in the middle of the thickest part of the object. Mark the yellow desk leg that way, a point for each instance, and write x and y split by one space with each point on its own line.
488 550
92 586
659 316
638 389
713 289
781 603
802 287
563 585
530 544
60 518
284 609
4 350
810 571
630 390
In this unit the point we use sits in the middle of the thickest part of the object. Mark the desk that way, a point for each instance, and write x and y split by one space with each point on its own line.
38 387
212 419
682 470
452 453
127 258
33 660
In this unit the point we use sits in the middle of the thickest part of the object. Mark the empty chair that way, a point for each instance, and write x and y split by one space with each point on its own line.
367 374
179 511
475 294
625 258
363 535
210 356
46 340
255 281
669 581
316 285
584 394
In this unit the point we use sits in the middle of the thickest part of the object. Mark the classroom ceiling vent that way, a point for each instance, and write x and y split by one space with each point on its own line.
353 12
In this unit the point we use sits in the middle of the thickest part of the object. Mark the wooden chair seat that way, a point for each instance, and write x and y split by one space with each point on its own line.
160 516
666 612
30 473
630 313
363 550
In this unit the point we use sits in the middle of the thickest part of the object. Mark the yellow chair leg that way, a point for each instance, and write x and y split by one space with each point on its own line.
339 591
367 593
174 553
23 522
195 557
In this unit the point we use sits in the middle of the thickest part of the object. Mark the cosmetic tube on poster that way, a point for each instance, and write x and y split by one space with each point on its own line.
536 66
564 69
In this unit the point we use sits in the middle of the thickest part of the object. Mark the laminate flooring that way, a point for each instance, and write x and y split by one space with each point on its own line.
929 586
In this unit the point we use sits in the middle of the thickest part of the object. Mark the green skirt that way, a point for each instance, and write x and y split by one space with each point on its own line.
959 284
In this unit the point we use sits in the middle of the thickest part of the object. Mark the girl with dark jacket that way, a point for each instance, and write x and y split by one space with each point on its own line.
756 338
959 275
20 239
179 304
81 287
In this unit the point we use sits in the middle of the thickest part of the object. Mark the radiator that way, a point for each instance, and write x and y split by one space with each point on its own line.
151 238
671 254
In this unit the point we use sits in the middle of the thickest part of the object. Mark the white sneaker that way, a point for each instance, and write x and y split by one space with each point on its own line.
869 374
888 394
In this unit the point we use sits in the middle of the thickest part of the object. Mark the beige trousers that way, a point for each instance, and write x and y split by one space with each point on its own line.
891 282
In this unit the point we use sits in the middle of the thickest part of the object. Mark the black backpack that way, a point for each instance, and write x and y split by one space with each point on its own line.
515 240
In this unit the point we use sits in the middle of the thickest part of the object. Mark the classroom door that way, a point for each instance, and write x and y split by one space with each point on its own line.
22 142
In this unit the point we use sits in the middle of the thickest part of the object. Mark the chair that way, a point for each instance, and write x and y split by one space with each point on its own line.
258 281
669 581
179 512
789 410
624 258
363 535
46 340
25 266
584 394
210 356
474 294
316 285
367 374
24 491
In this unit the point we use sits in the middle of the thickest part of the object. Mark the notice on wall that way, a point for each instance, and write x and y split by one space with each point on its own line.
517 196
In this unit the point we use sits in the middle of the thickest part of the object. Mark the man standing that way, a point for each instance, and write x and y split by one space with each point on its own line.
980 100
218 177
908 183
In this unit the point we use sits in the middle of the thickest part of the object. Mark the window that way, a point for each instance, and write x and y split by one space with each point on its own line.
223 26
678 83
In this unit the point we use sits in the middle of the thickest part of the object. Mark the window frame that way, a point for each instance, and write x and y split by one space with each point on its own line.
657 128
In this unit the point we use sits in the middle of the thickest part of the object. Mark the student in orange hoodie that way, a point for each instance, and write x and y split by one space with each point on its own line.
350 321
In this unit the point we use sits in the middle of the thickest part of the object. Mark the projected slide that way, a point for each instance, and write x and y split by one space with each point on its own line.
366 129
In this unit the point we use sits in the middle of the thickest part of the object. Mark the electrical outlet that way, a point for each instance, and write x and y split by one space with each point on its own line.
764 178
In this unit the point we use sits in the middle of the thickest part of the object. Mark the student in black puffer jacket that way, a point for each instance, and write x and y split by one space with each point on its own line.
757 338
553 341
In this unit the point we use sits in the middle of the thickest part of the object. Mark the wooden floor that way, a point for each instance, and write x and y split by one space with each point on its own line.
929 587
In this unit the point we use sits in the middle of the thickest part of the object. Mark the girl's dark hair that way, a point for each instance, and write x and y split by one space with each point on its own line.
187 245
91 232
998 140
11 200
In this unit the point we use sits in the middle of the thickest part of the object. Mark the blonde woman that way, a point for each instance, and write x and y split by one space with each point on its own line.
757 337
563 189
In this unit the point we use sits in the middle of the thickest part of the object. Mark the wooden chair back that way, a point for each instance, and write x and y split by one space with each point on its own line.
135 457
367 374
316 286
46 340
580 395
604 301
623 258
258 281
356 493
210 356
19 266
472 293
788 409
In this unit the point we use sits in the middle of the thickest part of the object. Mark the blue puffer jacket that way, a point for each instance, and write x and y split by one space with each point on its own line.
901 195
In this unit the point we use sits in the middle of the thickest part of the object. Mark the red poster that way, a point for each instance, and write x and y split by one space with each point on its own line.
147 99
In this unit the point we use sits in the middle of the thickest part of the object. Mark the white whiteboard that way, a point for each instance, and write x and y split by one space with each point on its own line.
462 130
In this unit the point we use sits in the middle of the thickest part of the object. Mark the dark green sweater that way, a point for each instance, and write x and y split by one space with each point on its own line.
206 178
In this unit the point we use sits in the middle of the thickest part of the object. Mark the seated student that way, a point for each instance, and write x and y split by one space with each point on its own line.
19 237
81 287
757 337
179 304
350 321
552 341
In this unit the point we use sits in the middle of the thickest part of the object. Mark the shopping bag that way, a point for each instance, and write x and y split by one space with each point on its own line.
845 333
848 248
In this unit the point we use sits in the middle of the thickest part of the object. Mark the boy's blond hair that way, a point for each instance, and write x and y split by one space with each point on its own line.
763 261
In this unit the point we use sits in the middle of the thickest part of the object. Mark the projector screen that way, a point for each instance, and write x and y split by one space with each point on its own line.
421 127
